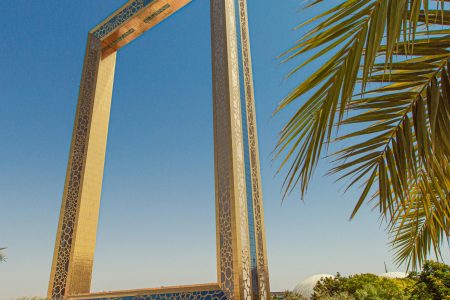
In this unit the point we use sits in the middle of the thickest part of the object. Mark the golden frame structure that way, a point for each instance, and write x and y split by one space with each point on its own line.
242 271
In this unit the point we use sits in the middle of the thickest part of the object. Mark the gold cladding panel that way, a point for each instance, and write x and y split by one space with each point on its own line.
86 231
146 292
222 155
75 242
242 257
147 18
262 266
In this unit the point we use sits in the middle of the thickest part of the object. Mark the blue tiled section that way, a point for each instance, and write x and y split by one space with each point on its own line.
248 174
121 17
205 295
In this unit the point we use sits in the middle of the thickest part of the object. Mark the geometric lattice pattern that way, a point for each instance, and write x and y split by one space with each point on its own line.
241 246
206 295
76 165
121 17
252 165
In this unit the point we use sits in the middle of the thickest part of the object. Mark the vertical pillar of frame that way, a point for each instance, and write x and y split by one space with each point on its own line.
76 236
258 254
233 249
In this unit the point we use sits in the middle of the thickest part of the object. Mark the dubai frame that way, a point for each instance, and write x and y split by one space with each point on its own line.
242 272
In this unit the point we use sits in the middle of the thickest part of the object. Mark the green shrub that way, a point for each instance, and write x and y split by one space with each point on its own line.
361 287
288 295
432 283
338 296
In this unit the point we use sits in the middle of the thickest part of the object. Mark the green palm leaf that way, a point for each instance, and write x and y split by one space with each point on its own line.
417 227
398 139
2 255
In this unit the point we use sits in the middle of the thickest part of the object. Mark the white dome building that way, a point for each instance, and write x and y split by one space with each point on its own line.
394 275
306 287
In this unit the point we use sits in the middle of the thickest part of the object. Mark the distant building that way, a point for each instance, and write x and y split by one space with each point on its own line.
394 275
306 287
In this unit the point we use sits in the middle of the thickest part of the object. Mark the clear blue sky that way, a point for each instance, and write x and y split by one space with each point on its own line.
157 223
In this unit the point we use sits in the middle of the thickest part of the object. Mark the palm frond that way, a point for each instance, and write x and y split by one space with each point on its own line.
354 32
407 129
417 227
2 255
398 124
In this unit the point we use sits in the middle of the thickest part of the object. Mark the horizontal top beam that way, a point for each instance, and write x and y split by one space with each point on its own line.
133 19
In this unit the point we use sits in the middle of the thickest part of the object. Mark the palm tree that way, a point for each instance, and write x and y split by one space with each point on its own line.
2 256
382 98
